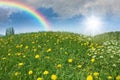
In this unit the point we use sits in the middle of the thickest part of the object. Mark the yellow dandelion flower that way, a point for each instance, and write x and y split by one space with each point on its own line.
92 48
30 72
70 60
9 54
55 43
59 65
96 74
33 47
37 56
61 48
92 60
21 45
39 46
16 73
45 72
89 77
44 34
26 47
39 78
49 50
66 53
109 77
79 66
33 42
20 64
3 58
17 46
47 57
24 56
53 77
85 44
18 54
118 77
35 50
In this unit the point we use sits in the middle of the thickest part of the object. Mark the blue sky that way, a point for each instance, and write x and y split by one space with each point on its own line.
62 15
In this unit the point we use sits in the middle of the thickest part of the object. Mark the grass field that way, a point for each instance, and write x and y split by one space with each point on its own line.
59 56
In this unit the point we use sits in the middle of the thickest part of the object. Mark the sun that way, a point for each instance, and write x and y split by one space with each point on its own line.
93 25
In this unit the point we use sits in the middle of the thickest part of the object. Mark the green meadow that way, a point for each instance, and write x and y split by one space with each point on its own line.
60 56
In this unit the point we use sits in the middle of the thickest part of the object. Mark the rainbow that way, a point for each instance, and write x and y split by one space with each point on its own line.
28 9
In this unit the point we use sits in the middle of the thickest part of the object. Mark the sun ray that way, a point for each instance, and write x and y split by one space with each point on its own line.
93 25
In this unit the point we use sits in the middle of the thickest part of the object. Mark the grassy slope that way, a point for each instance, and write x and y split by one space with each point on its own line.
54 49
1 35
107 36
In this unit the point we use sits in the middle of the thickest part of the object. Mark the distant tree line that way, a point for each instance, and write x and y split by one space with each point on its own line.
10 31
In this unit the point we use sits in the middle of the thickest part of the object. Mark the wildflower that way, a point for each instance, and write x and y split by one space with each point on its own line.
53 77
79 66
44 34
101 56
118 77
33 42
93 48
18 54
59 66
92 60
55 43
21 45
96 74
30 72
70 60
24 56
26 47
66 53
9 54
20 64
35 50
17 46
16 73
45 72
3 58
114 65
33 47
89 77
109 77
37 56
85 44
49 50
47 57
39 78
61 48
39 46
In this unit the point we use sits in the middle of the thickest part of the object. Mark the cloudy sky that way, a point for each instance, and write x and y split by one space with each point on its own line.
64 15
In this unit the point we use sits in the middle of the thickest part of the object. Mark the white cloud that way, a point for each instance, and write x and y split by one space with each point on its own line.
5 12
70 8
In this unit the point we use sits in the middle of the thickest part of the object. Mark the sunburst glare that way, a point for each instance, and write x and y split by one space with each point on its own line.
93 25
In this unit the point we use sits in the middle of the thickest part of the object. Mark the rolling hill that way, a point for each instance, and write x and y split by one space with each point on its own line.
107 36
59 56
1 35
